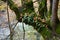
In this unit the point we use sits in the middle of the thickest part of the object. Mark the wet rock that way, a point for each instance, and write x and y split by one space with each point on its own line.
4 32
4 28
30 33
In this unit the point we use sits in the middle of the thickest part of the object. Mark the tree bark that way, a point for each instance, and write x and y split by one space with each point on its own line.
54 14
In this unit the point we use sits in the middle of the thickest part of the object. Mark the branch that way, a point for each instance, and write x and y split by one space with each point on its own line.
23 30
11 38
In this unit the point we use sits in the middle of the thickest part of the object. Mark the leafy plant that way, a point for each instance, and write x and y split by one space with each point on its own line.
28 7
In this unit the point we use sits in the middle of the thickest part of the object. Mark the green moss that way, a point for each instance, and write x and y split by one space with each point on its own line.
43 8
45 32
28 7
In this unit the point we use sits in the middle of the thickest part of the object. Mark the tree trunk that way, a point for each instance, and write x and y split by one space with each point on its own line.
54 14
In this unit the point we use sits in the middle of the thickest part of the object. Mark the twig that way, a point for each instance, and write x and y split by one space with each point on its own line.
23 30
13 29
15 26
9 22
